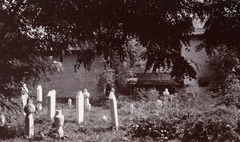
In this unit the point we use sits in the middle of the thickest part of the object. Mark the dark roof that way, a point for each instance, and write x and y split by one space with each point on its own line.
152 79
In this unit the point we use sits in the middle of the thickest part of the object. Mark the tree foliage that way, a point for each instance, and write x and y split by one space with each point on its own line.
106 27
159 25
222 25
20 58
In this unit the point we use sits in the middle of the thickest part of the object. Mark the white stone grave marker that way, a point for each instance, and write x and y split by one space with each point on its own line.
29 109
39 97
86 98
131 108
80 107
51 104
39 93
113 108
89 107
24 95
70 102
59 121
2 120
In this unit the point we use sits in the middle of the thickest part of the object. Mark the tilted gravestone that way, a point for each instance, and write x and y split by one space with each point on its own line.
29 109
113 109
58 122
80 107
51 104
2 120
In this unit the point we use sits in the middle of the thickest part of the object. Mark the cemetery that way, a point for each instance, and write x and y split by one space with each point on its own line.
84 116
119 70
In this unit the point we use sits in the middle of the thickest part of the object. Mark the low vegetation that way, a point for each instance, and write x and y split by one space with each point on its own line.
185 119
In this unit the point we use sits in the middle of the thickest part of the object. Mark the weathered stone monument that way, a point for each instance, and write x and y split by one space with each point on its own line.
131 108
160 103
89 107
86 99
51 104
24 95
70 102
80 107
39 97
166 96
58 122
113 108
104 118
29 109
2 120
39 93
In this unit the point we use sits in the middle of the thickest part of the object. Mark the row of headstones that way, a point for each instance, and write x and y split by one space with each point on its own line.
82 99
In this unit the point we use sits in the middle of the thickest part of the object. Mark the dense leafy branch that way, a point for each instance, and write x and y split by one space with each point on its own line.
161 26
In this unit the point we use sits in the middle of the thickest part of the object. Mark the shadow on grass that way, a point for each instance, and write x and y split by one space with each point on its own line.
7 132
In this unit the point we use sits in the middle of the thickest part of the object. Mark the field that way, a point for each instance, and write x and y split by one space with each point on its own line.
185 119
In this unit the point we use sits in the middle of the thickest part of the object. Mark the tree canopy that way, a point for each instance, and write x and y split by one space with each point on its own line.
159 25
29 27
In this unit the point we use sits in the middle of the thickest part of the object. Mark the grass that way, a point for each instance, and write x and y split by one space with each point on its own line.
191 120
149 122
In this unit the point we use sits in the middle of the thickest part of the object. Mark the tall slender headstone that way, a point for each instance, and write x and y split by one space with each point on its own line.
58 122
131 108
29 109
113 109
80 107
39 93
86 99
39 97
24 95
51 104
2 120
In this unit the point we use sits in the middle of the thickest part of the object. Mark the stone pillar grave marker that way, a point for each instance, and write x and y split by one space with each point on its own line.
131 109
113 109
39 93
39 97
24 96
70 102
89 107
51 104
86 99
80 107
58 122
2 120
29 109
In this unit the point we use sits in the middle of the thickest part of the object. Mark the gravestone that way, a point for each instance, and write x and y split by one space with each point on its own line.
29 109
24 95
51 104
86 99
70 102
160 103
113 109
58 122
104 118
39 97
131 108
80 107
39 93
2 120
89 107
